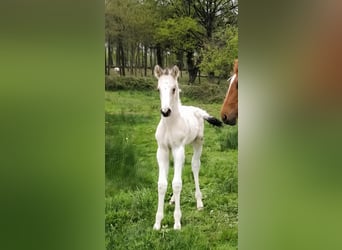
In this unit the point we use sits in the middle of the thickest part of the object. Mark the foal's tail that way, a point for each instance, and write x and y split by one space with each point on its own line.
211 119
214 121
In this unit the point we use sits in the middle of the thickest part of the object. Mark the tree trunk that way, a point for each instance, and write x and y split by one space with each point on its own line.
165 57
159 56
117 58
180 64
151 60
132 57
145 60
192 68
122 58
142 61
106 69
137 59
211 76
110 55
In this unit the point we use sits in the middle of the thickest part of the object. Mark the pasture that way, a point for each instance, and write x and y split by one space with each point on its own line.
132 172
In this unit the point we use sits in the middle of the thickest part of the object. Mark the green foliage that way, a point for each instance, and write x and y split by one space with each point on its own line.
129 83
179 33
132 174
220 53
130 20
206 92
176 26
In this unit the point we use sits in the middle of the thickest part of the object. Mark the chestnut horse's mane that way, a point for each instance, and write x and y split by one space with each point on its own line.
229 108
236 66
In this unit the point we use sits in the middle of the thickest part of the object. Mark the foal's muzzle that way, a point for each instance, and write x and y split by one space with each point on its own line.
165 112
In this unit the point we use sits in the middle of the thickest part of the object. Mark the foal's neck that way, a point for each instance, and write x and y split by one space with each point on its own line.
177 107
175 113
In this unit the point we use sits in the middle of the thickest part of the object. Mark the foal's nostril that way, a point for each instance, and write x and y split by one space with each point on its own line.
165 113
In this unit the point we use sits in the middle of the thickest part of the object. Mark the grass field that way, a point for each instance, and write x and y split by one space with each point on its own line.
132 173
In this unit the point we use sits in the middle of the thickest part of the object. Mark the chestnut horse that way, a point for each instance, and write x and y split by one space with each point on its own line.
229 109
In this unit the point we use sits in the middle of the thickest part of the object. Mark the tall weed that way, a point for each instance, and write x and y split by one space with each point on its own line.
121 160
229 139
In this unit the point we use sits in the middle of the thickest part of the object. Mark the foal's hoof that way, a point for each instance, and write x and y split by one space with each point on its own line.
199 205
172 200
156 226
177 226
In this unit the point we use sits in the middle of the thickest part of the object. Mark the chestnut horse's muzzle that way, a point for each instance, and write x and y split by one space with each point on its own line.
230 120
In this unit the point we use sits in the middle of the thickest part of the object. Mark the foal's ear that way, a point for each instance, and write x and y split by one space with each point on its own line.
158 71
175 72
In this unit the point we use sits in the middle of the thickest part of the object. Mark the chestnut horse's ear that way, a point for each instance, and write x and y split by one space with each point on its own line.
175 72
158 71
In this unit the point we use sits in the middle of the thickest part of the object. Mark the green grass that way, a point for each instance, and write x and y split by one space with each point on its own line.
132 173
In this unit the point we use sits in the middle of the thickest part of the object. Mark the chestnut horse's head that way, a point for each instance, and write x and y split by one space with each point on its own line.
229 109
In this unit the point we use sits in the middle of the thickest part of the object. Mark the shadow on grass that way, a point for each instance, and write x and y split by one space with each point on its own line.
122 166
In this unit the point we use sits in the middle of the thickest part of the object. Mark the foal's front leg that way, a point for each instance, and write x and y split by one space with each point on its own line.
178 158
163 163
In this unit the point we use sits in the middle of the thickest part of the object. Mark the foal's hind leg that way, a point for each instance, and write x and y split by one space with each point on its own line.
196 164
172 200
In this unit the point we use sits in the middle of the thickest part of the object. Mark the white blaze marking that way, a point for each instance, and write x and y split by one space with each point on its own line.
230 83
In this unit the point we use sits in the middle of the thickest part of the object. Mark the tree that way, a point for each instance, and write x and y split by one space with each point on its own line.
219 54
129 28
116 26
189 28
181 35
213 14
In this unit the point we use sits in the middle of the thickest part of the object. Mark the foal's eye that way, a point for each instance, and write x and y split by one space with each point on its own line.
173 90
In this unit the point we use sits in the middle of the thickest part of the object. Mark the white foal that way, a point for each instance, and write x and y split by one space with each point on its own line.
179 125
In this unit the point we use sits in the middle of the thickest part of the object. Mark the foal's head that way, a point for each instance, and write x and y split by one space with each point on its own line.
229 109
168 89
